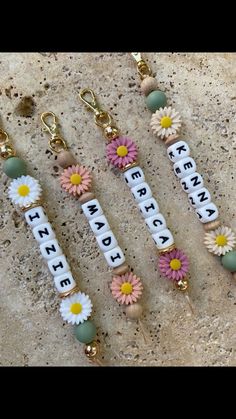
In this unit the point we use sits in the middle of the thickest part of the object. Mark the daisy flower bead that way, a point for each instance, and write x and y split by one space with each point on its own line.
24 190
76 308
76 180
127 288
121 151
165 122
220 241
174 265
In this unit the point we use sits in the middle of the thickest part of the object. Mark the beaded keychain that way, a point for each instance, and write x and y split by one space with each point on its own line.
166 123
26 193
126 287
122 152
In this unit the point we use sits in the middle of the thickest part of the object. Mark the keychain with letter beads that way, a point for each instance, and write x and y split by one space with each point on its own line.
122 152
166 123
25 193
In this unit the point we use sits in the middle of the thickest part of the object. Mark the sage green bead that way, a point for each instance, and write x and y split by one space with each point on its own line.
14 167
85 332
156 100
229 261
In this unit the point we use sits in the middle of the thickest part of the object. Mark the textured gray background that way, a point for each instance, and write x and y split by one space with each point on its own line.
202 88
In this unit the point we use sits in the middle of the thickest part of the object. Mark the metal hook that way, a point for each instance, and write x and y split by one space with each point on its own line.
102 118
3 137
52 128
143 68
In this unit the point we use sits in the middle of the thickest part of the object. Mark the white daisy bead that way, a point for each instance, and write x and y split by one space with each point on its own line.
115 257
99 225
58 265
24 190
141 192
149 207
50 249
43 232
155 223
76 308
92 209
207 213
106 241
64 282
178 151
134 176
199 198
165 122
35 216
184 167
163 239
192 182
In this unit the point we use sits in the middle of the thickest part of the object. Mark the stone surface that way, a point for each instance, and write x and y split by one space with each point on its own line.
202 89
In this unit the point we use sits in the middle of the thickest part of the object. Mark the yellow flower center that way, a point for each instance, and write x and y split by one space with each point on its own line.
166 122
75 179
175 264
76 308
126 288
221 240
23 190
122 151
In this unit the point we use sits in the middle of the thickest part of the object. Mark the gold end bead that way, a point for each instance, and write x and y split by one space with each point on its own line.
182 284
38 203
129 166
71 292
92 350
167 249
6 151
111 132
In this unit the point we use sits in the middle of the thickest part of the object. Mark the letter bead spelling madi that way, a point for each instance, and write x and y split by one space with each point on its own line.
126 287
166 123
25 193
122 152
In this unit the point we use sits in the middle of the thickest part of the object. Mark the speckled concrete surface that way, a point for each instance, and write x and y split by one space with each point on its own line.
202 88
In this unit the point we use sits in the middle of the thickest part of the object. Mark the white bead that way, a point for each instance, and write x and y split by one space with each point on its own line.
43 232
115 257
207 213
199 198
106 241
134 176
178 151
192 182
50 249
35 216
163 239
92 209
156 223
99 225
184 167
149 207
141 192
64 282
58 265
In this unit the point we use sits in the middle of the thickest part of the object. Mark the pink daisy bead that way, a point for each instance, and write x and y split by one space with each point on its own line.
76 180
174 265
127 288
121 151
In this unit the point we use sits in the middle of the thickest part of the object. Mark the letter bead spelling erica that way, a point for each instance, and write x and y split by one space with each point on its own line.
156 223
163 239
134 176
141 192
149 207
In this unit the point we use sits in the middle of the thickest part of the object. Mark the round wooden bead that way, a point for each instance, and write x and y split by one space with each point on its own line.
213 225
85 197
65 159
14 167
156 100
148 85
229 261
134 311
122 269
85 332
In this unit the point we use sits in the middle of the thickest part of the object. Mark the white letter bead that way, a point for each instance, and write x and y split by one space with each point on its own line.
207 213
163 239
178 151
155 223
115 257
141 192
184 167
92 209
106 241
149 207
58 265
50 249
199 198
99 225
134 176
192 182
64 282
43 232
35 216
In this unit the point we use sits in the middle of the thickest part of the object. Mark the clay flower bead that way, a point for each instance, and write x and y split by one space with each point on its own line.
220 241
127 288
24 190
76 180
121 151
76 308
165 122
174 265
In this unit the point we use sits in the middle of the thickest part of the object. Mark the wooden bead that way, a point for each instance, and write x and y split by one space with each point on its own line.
148 85
172 139
213 225
85 197
121 270
134 311
234 276
65 159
